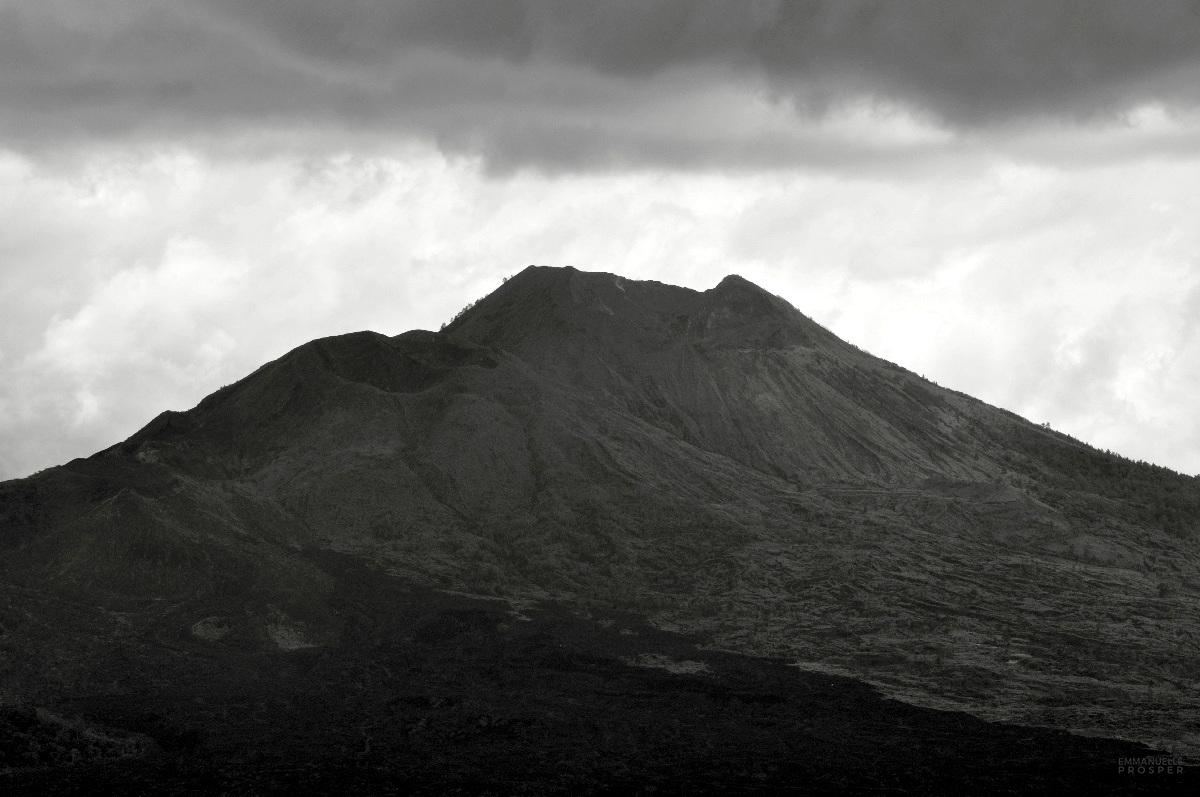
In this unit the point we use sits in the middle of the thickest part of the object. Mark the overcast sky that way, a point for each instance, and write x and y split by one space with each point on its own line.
1002 196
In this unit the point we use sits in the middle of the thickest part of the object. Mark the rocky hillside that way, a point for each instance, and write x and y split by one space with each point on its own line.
713 462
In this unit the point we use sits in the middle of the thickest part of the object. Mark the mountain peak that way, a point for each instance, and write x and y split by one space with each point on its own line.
551 303
557 301
736 281
747 299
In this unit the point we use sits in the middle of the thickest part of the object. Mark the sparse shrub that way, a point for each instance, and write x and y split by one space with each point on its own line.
459 315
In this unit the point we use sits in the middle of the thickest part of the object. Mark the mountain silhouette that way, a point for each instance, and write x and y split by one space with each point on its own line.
576 456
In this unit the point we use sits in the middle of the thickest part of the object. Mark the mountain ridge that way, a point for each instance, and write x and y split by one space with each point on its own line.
713 461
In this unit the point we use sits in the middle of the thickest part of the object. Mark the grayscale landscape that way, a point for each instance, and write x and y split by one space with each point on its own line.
638 488
840 438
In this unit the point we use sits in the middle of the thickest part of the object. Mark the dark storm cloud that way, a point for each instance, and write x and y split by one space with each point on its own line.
565 84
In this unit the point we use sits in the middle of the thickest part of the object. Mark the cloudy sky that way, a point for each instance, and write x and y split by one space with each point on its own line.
1002 196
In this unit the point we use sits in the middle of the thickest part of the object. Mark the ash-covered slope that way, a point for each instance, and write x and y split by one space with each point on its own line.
734 371
713 461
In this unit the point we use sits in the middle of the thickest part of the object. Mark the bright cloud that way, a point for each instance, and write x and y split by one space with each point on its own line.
1065 295
999 196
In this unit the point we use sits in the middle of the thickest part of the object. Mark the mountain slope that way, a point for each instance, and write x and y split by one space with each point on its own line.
713 461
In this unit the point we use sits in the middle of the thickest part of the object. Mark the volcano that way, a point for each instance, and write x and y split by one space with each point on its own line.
597 534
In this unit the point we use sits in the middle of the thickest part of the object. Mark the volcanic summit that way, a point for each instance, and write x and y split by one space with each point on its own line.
586 485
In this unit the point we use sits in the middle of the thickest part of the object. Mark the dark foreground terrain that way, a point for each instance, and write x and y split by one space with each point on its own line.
443 694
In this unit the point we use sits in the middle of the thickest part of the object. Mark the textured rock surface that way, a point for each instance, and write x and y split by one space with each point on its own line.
713 461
